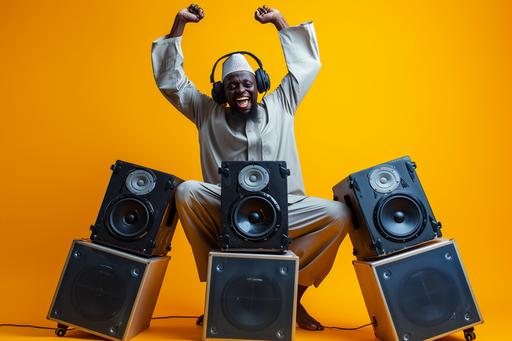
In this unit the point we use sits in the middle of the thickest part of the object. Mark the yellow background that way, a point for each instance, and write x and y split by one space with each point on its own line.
430 79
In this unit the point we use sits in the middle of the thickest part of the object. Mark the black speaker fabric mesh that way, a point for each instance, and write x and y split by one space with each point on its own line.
427 294
97 290
251 303
98 293
250 298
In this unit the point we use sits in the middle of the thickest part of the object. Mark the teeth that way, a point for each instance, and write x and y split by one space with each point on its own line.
242 98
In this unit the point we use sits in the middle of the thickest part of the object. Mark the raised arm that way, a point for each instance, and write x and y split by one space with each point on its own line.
302 57
167 58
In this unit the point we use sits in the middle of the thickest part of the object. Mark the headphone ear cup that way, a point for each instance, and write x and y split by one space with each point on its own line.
262 80
218 93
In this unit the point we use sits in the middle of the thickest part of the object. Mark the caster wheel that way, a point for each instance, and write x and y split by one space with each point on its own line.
60 332
469 334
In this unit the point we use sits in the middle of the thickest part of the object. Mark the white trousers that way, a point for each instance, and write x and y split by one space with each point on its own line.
316 227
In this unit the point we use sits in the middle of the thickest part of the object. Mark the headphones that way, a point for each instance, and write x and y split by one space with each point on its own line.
262 79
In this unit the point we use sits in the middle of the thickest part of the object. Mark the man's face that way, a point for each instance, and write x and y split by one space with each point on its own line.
241 91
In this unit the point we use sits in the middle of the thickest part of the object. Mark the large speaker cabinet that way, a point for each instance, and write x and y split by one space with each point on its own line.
251 296
420 294
138 213
107 292
390 211
254 206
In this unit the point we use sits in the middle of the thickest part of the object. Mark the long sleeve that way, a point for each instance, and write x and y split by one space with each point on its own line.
302 57
167 59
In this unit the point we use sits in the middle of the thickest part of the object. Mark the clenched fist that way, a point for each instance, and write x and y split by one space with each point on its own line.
266 14
192 13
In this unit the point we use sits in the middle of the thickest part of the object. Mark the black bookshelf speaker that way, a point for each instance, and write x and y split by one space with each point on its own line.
420 294
138 213
254 205
107 292
251 296
390 211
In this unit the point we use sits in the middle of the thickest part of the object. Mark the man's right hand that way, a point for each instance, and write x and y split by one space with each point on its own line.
192 13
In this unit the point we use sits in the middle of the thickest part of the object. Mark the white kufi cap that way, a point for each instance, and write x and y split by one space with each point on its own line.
235 62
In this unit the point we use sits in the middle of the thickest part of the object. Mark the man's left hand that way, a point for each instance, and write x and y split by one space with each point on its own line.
266 14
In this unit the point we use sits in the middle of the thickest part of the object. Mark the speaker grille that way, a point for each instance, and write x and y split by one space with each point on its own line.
251 297
98 289
251 302
427 293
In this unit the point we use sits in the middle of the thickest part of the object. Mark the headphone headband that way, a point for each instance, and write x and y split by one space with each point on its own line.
212 76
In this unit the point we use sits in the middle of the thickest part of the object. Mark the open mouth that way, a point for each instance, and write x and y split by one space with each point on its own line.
243 102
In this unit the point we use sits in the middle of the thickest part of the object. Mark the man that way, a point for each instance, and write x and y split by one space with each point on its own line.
247 130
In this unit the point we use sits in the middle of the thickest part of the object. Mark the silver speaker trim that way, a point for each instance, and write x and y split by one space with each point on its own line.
133 182
384 179
244 178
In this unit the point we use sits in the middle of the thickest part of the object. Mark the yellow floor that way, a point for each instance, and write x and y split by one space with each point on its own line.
178 329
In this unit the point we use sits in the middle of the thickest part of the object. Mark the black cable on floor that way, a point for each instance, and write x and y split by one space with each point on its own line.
156 318
29 326
355 328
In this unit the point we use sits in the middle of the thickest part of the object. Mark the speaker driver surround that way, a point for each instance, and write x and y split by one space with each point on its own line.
129 218
251 302
140 182
384 179
255 217
400 217
253 178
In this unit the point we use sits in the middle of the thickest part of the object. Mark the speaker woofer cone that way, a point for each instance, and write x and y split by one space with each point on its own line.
400 217
129 218
255 217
